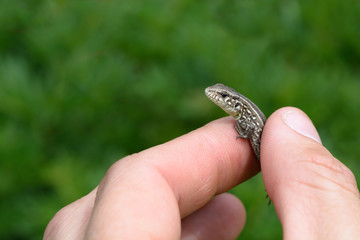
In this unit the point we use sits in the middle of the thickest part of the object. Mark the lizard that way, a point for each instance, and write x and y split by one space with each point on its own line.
250 120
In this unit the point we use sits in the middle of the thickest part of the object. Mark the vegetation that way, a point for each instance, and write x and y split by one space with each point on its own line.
85 83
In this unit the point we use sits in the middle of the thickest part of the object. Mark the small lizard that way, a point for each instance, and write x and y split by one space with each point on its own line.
250 120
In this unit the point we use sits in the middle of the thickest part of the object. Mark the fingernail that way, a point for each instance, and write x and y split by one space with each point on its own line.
302 124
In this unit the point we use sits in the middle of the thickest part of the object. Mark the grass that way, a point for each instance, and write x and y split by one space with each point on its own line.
84 83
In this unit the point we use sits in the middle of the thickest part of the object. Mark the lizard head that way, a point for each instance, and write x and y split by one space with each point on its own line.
225 97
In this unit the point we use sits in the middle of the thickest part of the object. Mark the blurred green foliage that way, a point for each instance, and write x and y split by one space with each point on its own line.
84 83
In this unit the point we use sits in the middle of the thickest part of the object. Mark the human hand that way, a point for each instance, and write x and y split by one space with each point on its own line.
166 192
314 194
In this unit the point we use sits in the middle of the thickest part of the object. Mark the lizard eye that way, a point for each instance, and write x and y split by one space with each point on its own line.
224 94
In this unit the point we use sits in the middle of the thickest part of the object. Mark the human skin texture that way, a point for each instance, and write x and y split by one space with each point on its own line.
176 190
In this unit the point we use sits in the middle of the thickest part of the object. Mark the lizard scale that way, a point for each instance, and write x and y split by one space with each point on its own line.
250 120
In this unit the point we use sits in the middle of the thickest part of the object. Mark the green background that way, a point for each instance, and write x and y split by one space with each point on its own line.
85 83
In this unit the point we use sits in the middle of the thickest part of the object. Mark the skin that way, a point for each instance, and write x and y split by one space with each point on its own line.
167 192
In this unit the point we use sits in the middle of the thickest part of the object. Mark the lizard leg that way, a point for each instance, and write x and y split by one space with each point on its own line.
244 129
240 131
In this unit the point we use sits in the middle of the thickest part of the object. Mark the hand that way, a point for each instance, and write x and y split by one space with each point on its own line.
314 194
166 192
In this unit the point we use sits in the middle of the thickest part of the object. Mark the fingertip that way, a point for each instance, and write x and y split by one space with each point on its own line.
290 120
298 121
287 134
235 210
310 189
285 129
222 218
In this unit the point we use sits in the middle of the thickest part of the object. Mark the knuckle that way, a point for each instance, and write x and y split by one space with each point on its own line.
328 172
54 229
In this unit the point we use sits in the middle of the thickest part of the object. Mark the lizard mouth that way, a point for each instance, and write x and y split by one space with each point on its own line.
213 96
222 99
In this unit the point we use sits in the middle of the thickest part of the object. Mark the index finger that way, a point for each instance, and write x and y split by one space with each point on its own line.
205 162
144 192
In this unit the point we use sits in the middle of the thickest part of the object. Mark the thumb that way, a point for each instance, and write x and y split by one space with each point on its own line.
314 194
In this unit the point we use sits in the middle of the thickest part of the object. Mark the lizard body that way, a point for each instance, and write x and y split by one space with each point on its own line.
250 120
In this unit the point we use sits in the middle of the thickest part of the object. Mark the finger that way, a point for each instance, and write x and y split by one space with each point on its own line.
314 194
71 221
203 163
144 192
222 218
